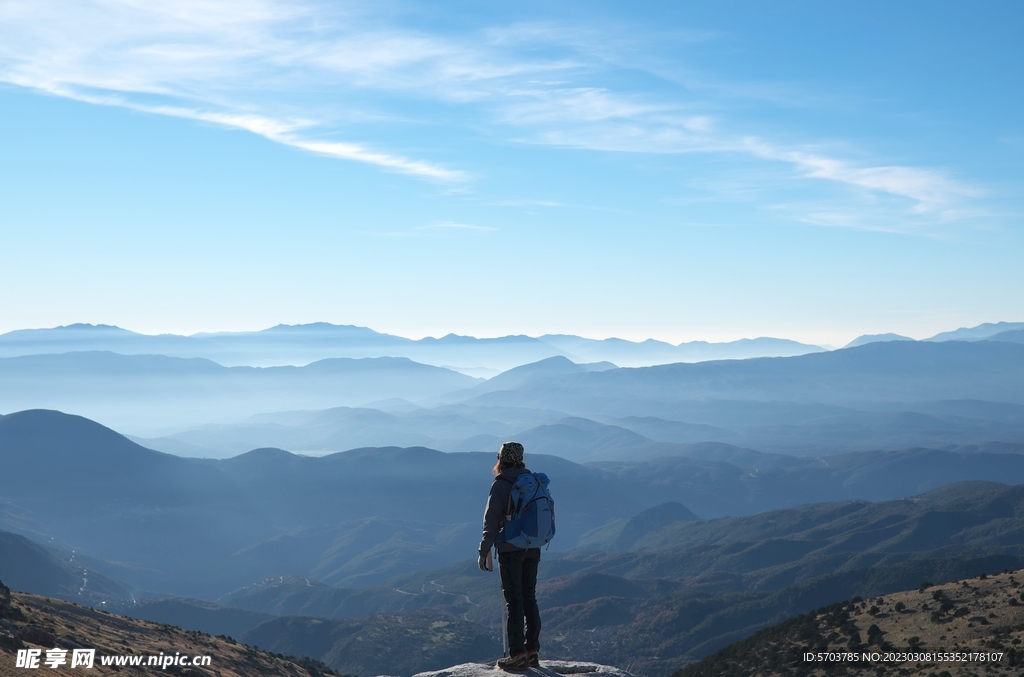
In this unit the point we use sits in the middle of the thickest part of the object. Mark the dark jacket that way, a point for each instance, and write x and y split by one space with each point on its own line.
494 512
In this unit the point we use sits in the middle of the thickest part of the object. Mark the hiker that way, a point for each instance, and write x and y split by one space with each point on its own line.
516 564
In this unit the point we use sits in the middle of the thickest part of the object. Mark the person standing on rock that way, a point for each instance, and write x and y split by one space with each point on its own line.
518 502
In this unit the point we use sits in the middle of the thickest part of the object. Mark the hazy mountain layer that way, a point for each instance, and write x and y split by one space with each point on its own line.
301 344
151 391
979 333
1014 336
852 398
893 371
769 426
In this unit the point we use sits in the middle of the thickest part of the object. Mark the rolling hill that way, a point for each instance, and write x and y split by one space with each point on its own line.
982 615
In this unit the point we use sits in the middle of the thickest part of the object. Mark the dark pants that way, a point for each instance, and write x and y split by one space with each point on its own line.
519 582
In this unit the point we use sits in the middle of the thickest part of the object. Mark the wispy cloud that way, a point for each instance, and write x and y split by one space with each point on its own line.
663 131
930 189
300 72
208 61
286 132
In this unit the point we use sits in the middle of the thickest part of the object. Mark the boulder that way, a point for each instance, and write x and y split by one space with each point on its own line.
34 635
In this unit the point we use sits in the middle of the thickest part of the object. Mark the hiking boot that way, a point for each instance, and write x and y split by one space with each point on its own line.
517 663
533 658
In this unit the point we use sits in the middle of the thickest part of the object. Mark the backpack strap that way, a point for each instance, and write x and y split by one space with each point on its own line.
508 508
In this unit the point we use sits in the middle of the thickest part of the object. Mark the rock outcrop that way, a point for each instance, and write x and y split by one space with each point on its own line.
547 669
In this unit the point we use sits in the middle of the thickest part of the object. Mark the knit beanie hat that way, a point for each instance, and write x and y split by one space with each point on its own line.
511 453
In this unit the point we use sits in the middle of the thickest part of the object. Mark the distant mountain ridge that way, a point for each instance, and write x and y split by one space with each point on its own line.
875 338
301 344
978 333
892 371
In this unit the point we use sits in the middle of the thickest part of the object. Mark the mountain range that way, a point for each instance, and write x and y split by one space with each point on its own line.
301 344
352 518
966 391
674 556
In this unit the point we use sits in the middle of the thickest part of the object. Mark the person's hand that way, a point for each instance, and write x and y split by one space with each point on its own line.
483 562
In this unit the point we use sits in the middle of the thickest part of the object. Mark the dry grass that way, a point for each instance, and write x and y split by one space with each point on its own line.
110 634
980 615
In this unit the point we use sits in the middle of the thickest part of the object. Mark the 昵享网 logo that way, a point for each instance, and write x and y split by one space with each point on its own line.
32 658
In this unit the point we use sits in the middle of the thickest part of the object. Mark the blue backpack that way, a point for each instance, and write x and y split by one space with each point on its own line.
530 515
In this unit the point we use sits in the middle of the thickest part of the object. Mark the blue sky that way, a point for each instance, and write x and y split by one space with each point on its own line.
671 170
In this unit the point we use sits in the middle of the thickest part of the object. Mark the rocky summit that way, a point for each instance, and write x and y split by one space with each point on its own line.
547 668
